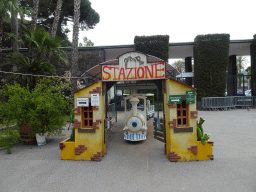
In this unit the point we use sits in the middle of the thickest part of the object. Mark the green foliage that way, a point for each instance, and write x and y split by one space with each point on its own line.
86 43
72 136
28 65
157 45
72 116
43 107
211 56
88 16
179 65
200 132
9 137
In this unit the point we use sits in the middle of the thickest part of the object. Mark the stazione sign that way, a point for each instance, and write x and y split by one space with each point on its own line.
133 66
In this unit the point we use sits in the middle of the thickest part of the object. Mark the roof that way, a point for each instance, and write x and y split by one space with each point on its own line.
182 83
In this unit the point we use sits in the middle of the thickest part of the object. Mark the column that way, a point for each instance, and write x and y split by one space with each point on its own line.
188 68
253 69
232 76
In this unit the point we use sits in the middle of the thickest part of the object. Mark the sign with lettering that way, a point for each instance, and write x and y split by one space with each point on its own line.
175 99
95 99
82 102
190 96
133 66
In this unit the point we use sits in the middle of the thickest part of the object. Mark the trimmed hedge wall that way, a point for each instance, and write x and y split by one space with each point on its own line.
157 45
253 65
211 58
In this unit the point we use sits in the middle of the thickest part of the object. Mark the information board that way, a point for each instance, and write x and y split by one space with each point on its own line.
190 96
82 102
95 99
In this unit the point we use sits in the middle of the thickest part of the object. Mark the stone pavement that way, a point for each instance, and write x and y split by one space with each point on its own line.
141 166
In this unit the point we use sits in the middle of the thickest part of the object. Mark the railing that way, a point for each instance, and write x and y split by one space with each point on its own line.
225 103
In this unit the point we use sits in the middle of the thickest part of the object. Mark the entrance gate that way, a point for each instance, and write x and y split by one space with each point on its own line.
177 129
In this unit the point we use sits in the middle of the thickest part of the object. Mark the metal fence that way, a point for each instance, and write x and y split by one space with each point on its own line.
226 103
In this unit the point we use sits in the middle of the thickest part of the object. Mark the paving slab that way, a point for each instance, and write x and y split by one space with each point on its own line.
140 166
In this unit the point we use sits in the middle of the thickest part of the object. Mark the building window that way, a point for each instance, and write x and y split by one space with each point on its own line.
182 113
87 113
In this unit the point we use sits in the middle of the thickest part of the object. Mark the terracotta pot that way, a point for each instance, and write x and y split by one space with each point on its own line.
24 134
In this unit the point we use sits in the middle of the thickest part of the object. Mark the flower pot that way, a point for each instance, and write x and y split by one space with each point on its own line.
24 134
67 150
40 139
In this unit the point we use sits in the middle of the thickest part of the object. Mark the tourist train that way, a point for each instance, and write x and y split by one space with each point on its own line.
136 116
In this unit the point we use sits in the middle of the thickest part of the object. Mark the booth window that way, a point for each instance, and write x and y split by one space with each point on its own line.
87 116
182 113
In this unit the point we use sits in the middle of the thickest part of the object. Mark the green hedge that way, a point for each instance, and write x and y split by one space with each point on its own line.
253 64
211 57
157 45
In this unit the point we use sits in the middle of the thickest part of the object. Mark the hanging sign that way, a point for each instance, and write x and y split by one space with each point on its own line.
82 102
95 99
175 99
190 96
133 66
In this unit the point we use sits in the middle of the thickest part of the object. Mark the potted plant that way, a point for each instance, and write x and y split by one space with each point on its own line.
41 110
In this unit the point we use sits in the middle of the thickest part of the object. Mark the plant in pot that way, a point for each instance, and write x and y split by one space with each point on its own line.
40 110
200 132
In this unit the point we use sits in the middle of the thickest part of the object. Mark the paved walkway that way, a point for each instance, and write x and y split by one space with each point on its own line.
141 166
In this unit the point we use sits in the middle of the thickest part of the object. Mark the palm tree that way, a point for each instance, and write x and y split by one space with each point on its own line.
40 43
241 62
56 18
74 59
26 65
6 6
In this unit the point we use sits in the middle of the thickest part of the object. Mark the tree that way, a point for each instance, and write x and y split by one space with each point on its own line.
56 18
87 43
35 14
241 62
40 43
74 59
179 65
26 65
6 7
47 8
248 70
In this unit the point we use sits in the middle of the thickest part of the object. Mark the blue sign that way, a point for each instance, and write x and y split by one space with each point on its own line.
158 124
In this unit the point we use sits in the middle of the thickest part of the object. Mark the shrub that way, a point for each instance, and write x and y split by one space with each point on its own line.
9 137
211 54
42 108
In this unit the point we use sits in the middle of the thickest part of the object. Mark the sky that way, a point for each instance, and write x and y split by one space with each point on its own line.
182 20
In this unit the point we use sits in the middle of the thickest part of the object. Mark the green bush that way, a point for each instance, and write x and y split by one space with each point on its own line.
43 107
9 137
157 45
211 57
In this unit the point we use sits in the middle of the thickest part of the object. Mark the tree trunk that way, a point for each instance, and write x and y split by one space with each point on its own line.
74 59
14 26
1 38
56 18
35 13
